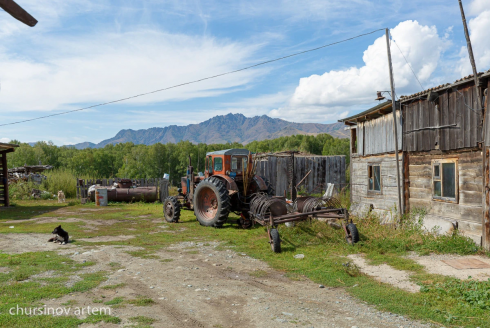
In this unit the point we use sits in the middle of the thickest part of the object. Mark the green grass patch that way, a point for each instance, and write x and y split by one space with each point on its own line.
114 286
141 301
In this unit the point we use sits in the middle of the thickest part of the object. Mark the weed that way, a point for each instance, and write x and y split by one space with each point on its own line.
142 301
115 301
114 286
142 320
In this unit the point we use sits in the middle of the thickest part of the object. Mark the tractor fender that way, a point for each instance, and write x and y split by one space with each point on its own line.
230 183
260 182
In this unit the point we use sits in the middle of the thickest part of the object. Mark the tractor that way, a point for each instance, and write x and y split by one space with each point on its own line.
227 185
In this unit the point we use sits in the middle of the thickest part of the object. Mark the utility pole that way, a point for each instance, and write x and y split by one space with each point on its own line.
395 128
472 58
17 12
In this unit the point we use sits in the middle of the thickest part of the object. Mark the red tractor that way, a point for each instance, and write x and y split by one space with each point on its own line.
227 186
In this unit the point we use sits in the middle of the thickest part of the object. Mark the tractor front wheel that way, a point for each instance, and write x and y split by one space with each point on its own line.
211 202
171 209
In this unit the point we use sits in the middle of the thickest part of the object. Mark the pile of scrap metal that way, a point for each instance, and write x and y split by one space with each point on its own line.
125 191
36 193
28 173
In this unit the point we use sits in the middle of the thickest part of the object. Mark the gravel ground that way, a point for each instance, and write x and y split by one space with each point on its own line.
196 285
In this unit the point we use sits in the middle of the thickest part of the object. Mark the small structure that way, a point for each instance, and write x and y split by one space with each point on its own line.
4 184
373 163
445 162
313 172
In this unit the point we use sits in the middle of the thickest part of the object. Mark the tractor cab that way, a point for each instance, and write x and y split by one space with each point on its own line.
230 162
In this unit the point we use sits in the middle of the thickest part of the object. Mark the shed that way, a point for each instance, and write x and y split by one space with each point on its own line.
4 183
373 162
286 168
443 144
445 162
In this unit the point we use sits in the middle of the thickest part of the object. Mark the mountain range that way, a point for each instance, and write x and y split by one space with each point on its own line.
221 129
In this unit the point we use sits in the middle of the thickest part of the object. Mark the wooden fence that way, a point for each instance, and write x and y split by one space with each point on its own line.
324 169
84 184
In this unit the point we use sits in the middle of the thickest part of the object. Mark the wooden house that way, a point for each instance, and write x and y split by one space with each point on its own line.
373 162
444 159
4 184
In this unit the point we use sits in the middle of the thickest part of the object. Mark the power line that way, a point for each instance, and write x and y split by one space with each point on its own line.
195 81
408 63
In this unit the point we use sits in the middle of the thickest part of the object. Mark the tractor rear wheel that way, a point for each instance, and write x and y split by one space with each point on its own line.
211 202
171 209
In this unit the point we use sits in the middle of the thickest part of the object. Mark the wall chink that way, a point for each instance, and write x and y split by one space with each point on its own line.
444 162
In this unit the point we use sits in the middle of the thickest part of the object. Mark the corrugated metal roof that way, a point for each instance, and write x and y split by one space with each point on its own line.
235 151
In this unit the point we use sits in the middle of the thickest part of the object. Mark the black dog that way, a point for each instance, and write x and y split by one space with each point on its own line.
62 235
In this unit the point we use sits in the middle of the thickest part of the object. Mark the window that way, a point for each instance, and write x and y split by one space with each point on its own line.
374 178
218 164
238 164
209 162
444 180
353 140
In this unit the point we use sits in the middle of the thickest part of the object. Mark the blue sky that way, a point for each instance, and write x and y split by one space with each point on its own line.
86 52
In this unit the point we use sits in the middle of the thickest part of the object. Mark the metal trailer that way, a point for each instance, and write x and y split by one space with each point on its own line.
271 211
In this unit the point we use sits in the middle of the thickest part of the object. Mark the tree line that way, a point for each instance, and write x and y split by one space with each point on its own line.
127 160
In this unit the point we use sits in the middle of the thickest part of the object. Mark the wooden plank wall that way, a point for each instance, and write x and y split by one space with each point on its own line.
84 184
376 136
470 172
453 107
384 203
324 169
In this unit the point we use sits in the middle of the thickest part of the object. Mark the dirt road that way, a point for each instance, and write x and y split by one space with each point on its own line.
196 285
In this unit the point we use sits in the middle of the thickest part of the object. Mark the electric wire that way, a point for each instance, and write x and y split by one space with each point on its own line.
195 81
413 72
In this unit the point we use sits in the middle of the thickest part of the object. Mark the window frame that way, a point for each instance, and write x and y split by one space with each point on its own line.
442 198
370 169
214 164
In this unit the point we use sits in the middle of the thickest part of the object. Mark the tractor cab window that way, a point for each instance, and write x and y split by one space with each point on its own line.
209 161
238 164
218 164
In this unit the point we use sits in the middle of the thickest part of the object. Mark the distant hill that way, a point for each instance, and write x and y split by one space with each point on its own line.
222 129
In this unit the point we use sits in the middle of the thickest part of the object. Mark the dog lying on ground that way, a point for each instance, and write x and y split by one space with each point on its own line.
61 236
61 196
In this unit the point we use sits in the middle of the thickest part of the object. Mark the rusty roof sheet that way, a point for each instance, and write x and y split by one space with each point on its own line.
465 79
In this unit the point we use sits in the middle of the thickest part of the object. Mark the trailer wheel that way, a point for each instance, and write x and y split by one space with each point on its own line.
352 234
171 209
211 202
275 241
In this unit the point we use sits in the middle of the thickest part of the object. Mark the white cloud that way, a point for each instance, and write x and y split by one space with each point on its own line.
331 95
108 66
4 140
478 28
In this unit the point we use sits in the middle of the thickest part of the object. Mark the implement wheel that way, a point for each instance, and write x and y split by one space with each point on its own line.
171 209
352 234
211 202
275 241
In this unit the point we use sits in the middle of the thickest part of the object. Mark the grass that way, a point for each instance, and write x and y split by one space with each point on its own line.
444 300
21 287
114 286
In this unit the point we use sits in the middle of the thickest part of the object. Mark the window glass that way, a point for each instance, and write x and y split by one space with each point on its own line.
377 178
234 163
437 188
449 180
210 164
218 164
245 161
437 173
374 174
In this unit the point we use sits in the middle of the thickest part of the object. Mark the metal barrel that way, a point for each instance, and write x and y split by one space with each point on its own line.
101 197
